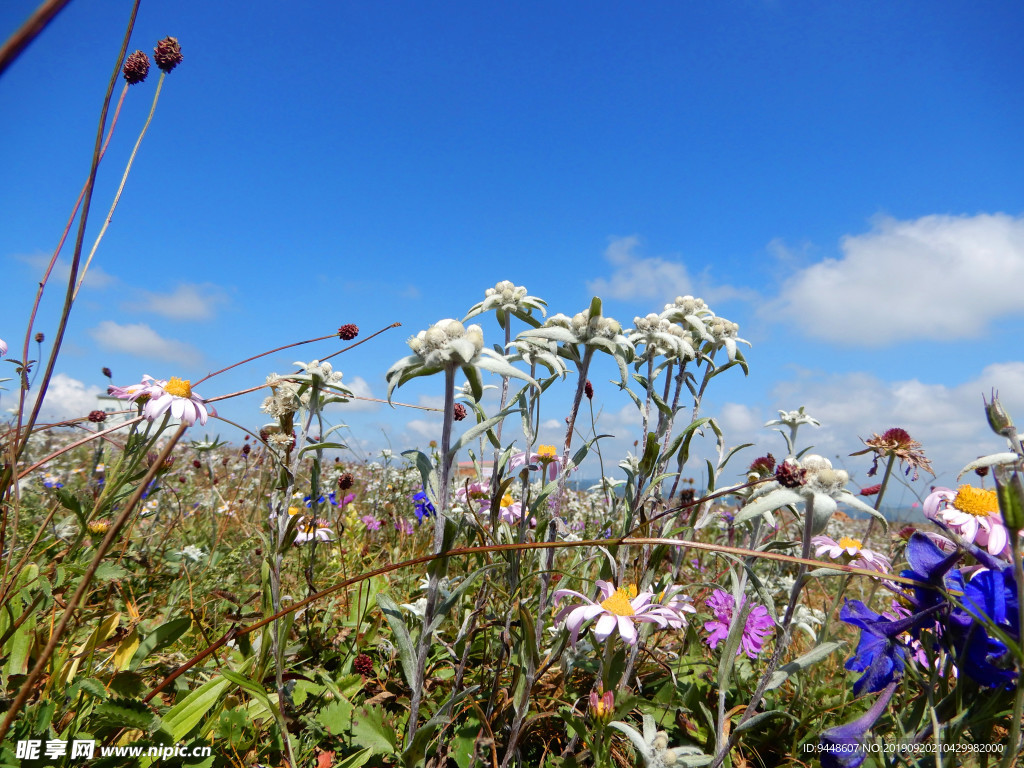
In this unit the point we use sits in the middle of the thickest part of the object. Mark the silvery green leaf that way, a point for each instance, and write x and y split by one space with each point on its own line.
403 641
634 736
489 361
990 461
552 333
776 499
822 509
813 656
762 716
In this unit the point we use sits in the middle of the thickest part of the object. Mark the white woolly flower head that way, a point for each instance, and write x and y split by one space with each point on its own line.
447 341
660 337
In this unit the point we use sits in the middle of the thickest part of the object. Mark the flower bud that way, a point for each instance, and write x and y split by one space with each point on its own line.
998 418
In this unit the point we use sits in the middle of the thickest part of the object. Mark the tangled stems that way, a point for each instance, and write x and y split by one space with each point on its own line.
85 582
5 475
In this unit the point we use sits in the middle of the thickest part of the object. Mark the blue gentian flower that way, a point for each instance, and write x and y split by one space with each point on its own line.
843 746
423 506
880 655
989 597
929 564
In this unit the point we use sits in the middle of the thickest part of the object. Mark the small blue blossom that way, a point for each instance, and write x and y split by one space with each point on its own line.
880 655
423 506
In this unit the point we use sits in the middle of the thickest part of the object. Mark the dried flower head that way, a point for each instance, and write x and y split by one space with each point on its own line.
107 372
40 338
588 390
362 664
896 443
346 481
97 417
459 412
136 68
167 54
762 466
790 475
348 331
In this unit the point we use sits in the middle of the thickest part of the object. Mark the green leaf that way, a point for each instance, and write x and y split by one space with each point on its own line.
403 640
356 760
158 639
189 712
759 718
371 732
448 603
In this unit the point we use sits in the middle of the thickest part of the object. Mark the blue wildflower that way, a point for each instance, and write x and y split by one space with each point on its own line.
989 598
843 746
928 564
423 506
880 655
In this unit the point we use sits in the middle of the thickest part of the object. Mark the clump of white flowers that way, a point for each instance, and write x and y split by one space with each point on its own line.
447 341
660 337
507 298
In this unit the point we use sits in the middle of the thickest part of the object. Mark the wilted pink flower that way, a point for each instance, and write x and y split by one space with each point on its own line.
852 552
759 624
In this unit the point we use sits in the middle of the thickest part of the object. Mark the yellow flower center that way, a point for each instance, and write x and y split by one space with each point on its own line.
179 387
976 501
619 603
98 526
546 453
507 500
847 543
293 510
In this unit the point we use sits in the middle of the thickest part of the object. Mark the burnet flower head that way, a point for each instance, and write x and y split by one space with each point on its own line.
448 345
811 482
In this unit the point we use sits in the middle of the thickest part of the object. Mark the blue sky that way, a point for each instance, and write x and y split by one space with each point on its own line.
842 180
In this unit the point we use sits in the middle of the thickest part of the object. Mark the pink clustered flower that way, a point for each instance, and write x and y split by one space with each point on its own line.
852 552
404 527
758 627
973 514
620 609
371 522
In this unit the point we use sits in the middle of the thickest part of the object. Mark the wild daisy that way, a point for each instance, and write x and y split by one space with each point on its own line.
175 397
973 513
309 530
621 608
852 552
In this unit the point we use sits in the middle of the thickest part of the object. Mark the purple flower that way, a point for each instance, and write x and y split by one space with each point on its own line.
843 746
404 527
371 522
423 506
758 627
989 597
880 655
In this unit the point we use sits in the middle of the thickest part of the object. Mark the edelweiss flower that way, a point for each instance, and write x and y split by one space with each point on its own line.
812 482
852 552
176 397
660 337
652 745
507 298
973 513
620 609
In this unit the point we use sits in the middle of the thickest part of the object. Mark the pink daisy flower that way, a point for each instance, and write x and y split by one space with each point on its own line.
973 513
546 456
175 397
758 627
620 609
852 552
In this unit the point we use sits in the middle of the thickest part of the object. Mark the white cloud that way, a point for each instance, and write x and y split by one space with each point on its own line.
361 388
949 421
95 277
636 277
655 277
139 339
937 277
189 301
68 398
